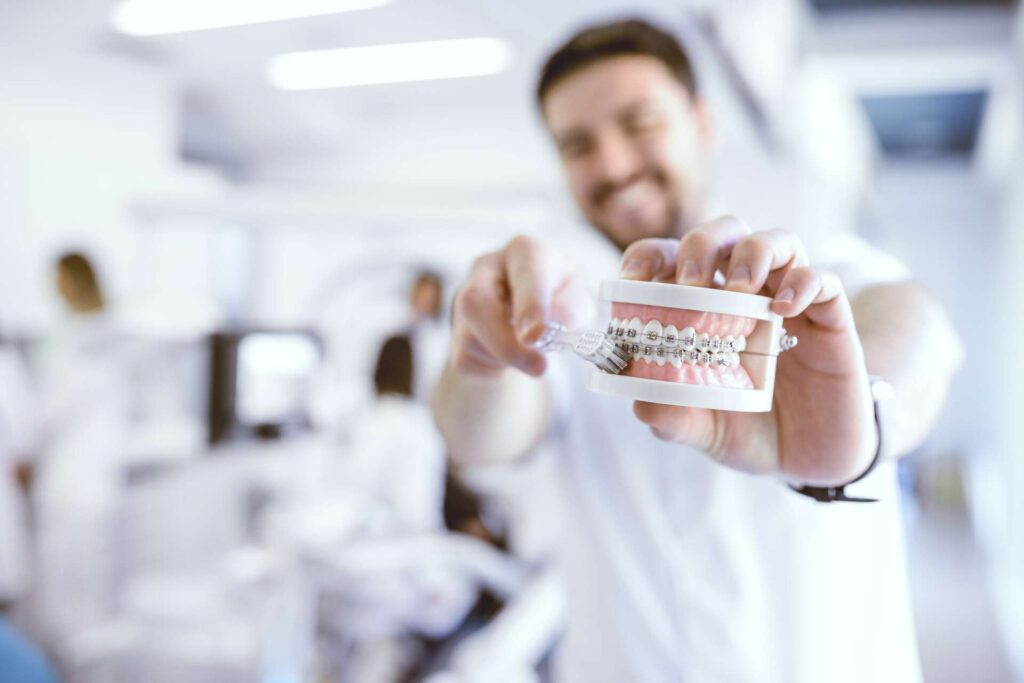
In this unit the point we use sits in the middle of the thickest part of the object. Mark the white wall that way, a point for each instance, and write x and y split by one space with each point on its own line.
81 135
942 221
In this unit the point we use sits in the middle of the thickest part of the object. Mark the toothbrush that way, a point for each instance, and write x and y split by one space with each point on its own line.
590 345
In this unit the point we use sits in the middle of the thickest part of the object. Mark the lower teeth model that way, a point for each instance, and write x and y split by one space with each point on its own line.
665 351
693 346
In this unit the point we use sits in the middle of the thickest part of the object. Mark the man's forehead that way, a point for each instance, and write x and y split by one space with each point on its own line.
607 88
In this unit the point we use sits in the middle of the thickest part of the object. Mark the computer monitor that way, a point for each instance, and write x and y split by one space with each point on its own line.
259 382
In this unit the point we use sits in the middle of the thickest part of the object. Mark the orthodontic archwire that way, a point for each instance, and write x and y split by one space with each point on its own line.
624 337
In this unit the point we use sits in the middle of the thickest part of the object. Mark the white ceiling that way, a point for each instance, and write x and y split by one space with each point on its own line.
224 70
485 122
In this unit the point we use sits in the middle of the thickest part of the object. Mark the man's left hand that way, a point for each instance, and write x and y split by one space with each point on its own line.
821 427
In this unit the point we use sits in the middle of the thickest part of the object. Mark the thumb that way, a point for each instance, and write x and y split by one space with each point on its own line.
690 426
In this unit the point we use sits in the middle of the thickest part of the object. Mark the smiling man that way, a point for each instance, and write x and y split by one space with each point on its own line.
688 555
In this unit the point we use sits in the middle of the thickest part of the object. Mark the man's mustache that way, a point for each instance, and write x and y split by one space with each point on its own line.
608 188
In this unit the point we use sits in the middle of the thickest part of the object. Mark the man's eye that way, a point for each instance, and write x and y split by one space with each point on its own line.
643 121
574 149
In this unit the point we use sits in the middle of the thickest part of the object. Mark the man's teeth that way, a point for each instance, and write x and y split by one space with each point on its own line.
657 343
634 195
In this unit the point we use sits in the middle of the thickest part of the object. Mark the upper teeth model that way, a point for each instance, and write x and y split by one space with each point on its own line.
692 346
657 342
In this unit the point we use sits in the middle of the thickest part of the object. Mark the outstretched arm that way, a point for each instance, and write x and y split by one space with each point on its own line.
909 341
492 402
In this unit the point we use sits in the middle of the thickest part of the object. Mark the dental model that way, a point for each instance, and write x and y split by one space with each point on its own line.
692 346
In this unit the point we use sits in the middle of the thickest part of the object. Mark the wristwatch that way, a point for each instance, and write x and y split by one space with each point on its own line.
881 393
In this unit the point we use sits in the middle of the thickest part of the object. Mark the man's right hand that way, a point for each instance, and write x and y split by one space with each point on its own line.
501 309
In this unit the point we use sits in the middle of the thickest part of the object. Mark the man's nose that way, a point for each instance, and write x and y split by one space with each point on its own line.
616 160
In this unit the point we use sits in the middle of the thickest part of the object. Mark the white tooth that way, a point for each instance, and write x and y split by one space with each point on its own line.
688 338
720 360
734 360
670 337
693 356
705 358
633 330
741 344
647 351
633 195
729 344
659 355
612 327
652 333
704 342
675 357
716 344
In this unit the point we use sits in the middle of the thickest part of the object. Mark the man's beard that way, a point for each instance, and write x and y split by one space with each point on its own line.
674 225
674 228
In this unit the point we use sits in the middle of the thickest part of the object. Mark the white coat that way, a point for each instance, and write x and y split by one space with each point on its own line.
18 421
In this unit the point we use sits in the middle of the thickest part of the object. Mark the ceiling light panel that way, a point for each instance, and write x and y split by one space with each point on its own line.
397 63
158 17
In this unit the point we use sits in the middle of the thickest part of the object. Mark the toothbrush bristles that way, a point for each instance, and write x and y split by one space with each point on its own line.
590 345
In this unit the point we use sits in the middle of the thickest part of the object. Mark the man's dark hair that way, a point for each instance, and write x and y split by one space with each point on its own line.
393 374
617 39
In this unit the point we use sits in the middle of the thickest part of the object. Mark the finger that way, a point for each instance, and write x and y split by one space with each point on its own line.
817 294
531 275
572 304
650 259
756 256
690 426
483 312
704 248
469 358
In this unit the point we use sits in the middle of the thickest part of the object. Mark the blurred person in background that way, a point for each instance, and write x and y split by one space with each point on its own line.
428 332
395 450
411 603
18 427
415 310
20 661
687 557
84 372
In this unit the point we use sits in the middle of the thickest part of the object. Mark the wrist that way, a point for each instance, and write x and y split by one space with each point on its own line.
881 392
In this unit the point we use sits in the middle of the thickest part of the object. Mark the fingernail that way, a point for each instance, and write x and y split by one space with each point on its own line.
633 268
785 296
690 272
740 275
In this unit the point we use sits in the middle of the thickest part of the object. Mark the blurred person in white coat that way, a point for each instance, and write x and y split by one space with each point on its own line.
20 660
428 331
18 426
395 460
85 383
395 451
687 555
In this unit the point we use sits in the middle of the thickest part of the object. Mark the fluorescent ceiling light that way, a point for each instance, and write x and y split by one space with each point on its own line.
156 17
389 63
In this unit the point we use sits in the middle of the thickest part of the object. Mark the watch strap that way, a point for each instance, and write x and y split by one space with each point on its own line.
835 494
